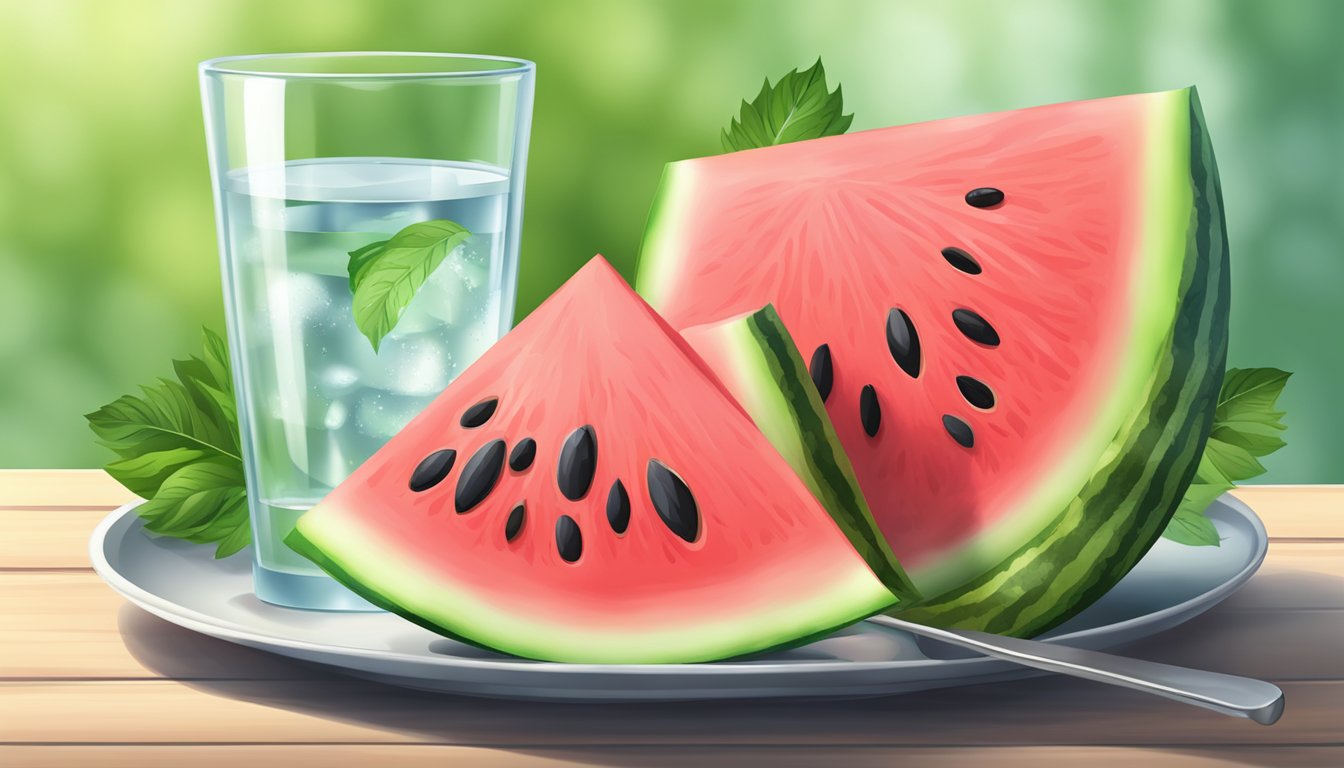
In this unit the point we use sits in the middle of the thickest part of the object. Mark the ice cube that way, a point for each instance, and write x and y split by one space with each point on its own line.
300 298
335 381
381 414
334 452
440 300
337 413
418 364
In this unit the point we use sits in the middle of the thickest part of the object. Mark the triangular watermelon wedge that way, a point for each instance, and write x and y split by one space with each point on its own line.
1018 320
587 491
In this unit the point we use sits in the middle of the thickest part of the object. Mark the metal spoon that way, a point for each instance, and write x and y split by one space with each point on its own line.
1228 694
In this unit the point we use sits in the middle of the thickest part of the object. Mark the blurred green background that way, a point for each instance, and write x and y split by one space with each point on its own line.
107 243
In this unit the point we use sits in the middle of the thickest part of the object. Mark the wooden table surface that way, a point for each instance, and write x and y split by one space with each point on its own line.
88 680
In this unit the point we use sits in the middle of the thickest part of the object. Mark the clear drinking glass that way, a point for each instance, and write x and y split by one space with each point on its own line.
314 156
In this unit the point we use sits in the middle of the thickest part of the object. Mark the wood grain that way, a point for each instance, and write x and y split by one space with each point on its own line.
65 488
56 538
1297 511
414 756
1044 711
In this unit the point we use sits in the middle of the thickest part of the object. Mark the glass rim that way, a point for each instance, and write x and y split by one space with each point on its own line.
235 65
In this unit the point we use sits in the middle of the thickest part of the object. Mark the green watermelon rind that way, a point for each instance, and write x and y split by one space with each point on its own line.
1072 551
298 541
770 380
378 571
1072 563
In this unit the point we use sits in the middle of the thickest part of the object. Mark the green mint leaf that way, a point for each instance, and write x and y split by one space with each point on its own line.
1191 526
360 258
1235 462
384 276
1245 428
202 503
1249 395
177 446
1208 473
1248 438
796 108
146 473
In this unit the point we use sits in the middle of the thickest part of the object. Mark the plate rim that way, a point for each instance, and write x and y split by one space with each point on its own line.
213 626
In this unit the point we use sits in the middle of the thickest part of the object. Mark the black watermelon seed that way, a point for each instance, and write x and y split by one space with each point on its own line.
975 327
618 507
568 538
432 469
578 462
673 502
870 413
820 369
903 341
523 453
480 413
976 392
984 197
959 430
514 525
478 478
962 261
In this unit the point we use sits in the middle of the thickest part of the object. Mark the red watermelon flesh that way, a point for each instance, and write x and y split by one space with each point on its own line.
640 515
1019 321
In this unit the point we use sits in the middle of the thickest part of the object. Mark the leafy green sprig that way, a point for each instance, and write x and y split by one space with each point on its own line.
1246 427
796 108
177 446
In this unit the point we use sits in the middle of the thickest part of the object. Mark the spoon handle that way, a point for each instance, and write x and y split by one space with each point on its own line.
1228 694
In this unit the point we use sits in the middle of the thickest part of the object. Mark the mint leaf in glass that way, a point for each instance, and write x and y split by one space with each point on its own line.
385 275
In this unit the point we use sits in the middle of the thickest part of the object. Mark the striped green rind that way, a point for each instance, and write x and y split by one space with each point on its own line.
757 360
299 541
343 544
1140 479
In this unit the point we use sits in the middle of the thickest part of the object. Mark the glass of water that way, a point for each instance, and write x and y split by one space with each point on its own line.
314 156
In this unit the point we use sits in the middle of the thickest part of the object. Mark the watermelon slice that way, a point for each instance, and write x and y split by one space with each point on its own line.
587 491
1018 321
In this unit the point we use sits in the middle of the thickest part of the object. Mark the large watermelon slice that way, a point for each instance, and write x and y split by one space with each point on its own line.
1018 320
587 491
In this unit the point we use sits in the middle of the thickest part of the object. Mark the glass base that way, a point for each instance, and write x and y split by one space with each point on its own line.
316 593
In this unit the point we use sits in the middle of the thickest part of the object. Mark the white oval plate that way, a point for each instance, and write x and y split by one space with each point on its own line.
185 585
